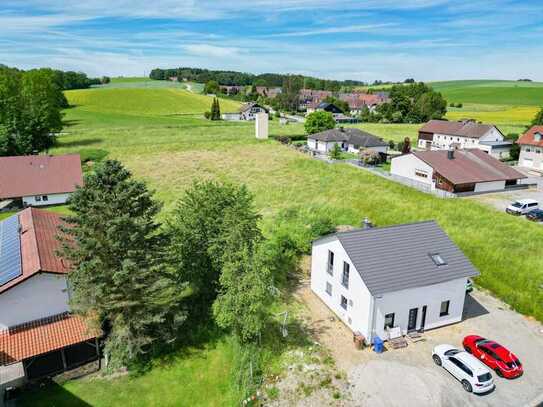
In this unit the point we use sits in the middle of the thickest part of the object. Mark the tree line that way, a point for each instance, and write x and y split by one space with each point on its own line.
230 78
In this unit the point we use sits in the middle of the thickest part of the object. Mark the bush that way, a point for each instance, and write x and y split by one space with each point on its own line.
207 115
335 153
459 105
391 144
319 121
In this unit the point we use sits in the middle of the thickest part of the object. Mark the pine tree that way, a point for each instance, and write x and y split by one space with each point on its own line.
118 272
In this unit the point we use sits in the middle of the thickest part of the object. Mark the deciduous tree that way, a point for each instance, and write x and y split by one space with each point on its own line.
319 121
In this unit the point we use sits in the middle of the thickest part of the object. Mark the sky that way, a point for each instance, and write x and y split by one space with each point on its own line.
367 40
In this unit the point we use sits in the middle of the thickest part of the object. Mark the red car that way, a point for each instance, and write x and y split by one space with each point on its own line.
494 355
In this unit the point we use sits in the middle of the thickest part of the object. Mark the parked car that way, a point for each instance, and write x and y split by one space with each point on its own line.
494 355
535 215
522 206
474 376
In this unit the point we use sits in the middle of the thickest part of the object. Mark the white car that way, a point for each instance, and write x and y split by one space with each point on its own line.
522 206
474 376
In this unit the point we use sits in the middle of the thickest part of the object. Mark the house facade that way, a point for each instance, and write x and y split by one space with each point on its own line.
349 139
38 332
456 171
39 180
531 149
371 285
445 135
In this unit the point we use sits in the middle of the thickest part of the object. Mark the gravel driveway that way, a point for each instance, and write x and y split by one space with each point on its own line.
408 377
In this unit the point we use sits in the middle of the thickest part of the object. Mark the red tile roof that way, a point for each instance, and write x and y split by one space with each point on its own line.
39 230
39 175
37 337
466 128
528 138
468 166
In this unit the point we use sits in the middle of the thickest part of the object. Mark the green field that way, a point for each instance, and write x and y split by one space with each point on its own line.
159 135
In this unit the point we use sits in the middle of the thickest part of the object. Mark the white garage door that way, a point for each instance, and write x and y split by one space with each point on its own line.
528 162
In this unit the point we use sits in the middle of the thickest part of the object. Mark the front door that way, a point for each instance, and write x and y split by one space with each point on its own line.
412 322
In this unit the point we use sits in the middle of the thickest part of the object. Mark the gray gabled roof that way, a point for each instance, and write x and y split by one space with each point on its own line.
351 135
395 258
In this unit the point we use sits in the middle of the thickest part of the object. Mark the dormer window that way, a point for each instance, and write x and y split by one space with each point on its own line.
537 136
438 259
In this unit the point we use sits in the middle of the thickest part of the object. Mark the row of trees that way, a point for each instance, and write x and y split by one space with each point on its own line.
410 103
246 79
30 110
215 112
142 280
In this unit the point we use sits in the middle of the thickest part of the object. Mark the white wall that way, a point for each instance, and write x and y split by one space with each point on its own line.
40 296
359 311
531 157
407 165
321 146
52 199
379 149
400 302
231 116
489 186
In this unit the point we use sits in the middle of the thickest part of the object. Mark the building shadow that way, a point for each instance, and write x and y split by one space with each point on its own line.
47 394
473 308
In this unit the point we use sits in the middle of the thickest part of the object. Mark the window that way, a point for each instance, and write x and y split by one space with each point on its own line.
329 289
389 321
330 267
345 276
444 310
45 198
343 302
438 259
421 174
37 198
462 366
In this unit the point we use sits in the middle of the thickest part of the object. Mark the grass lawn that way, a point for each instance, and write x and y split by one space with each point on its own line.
169 146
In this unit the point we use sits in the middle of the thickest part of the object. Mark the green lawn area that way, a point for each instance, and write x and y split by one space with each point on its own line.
159 135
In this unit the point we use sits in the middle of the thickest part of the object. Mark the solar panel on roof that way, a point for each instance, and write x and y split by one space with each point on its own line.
10 250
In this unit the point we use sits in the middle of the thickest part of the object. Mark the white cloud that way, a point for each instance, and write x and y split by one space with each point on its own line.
207 50
335 30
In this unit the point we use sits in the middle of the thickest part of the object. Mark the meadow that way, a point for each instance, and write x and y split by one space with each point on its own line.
160 135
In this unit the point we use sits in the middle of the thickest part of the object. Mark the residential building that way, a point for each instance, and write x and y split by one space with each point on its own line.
531 149
349 139
311 97
357 101
444 135
410 276
268 92
39 180
37 329
247 111
324 107
456 171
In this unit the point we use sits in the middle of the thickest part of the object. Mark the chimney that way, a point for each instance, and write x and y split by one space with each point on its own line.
366 224
450 154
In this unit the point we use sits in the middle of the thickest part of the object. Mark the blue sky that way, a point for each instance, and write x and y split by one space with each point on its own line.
365 39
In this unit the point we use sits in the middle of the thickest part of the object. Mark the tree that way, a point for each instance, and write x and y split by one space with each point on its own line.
215 112
514 153
105 80
116 249
211 87
370 157
319 121
197 230
335 153
538 119
244 284
406 146
30 110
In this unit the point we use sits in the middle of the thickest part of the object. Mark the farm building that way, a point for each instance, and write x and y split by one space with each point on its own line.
444 135
40 179
410 276
531 149
456 171
38 334
349 139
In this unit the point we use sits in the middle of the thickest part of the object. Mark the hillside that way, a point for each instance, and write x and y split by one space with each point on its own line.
153 101
492 92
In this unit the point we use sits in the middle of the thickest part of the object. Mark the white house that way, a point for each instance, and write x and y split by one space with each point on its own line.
348 138
247 111
456 171
39 180
37 329
410 276
531 149
445 135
